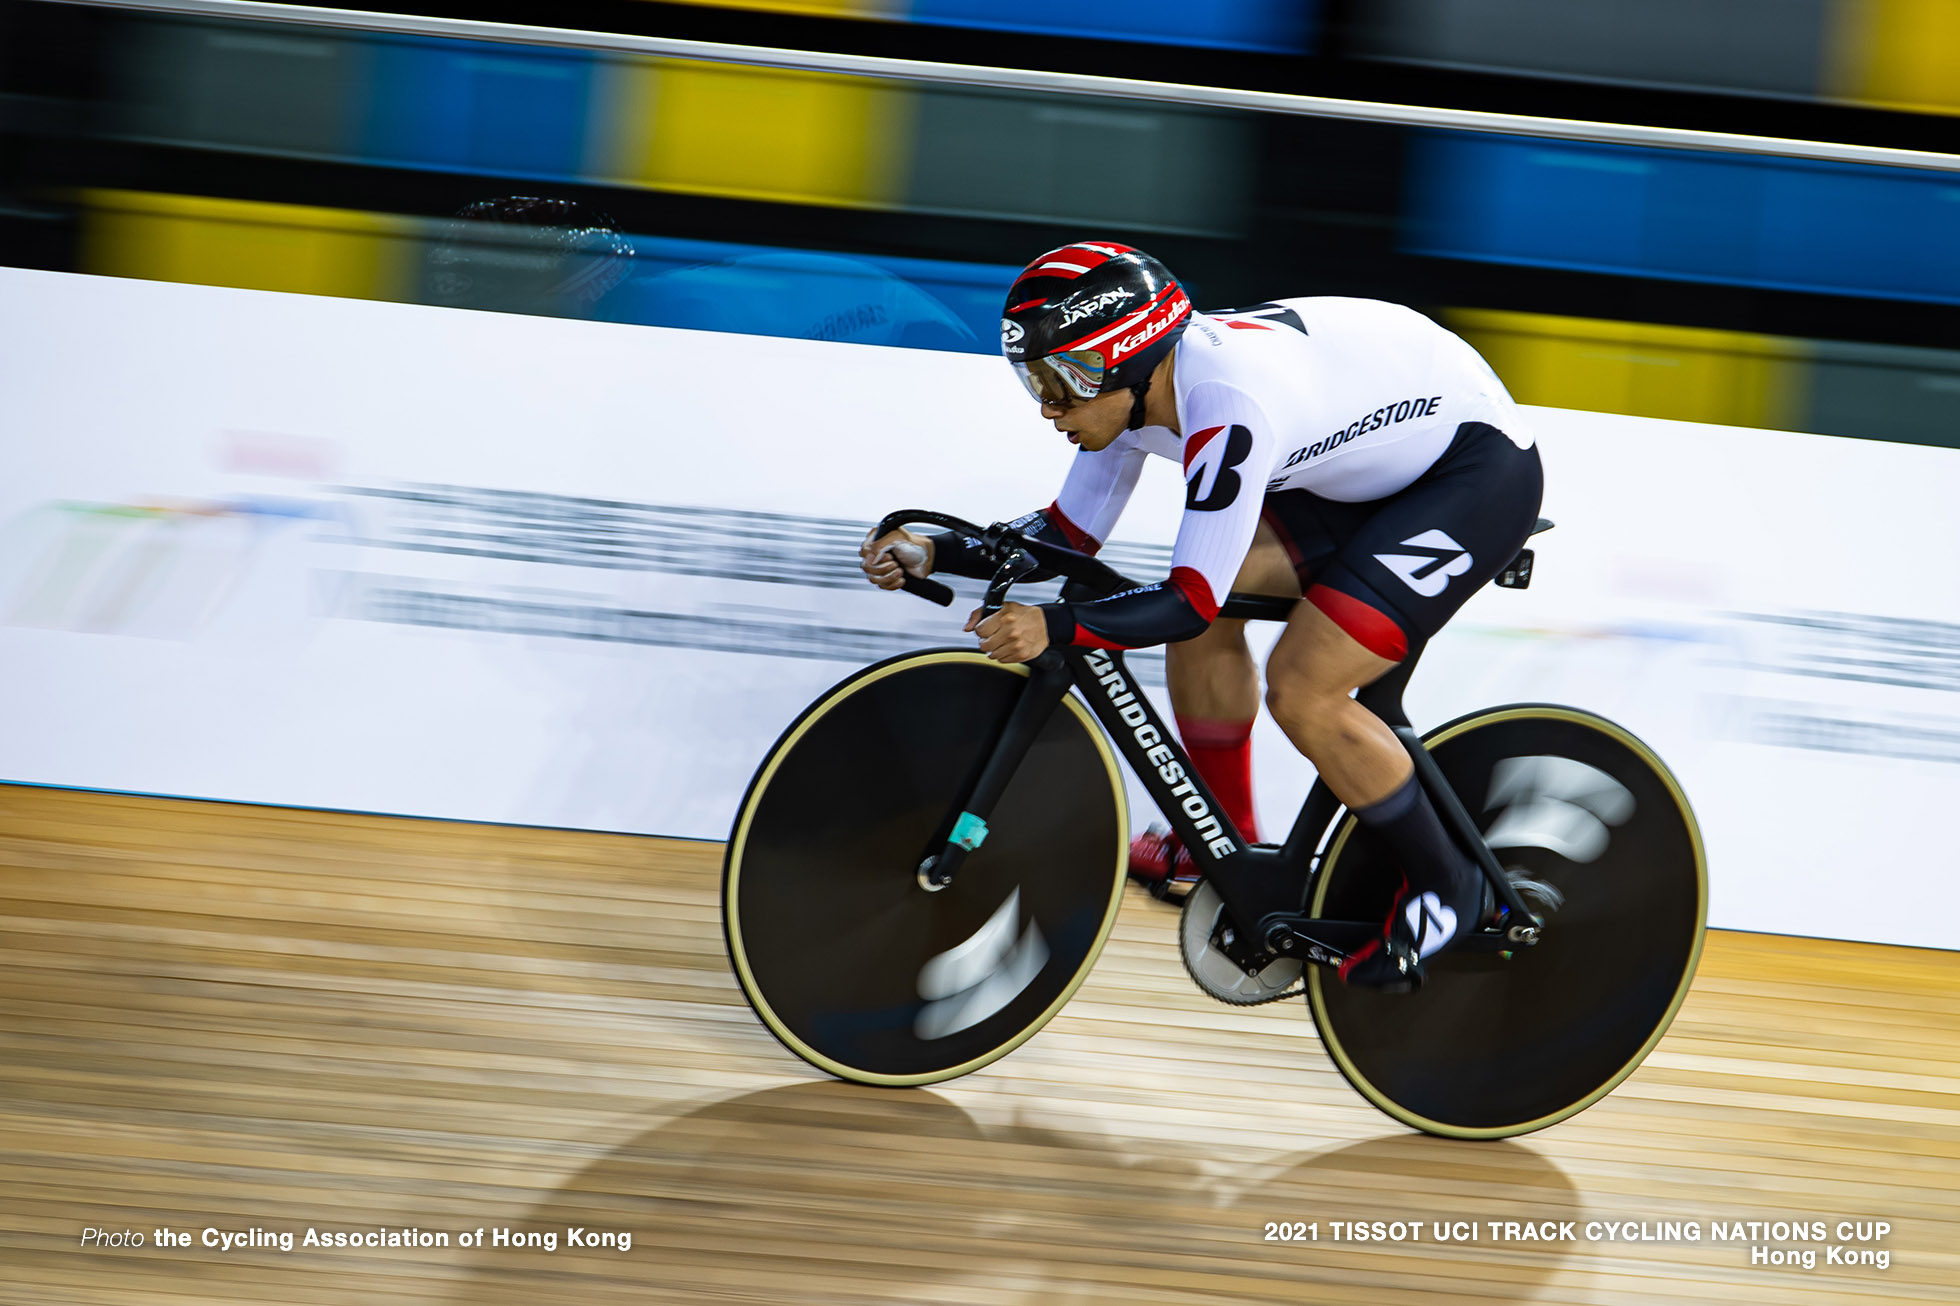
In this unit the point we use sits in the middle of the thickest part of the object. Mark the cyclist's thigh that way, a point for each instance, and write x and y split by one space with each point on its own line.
1309 530
1400 567
1268 568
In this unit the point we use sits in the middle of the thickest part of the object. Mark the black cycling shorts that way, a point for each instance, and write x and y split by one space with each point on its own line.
1391 571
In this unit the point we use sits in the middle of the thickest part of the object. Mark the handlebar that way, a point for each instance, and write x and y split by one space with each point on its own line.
1013 554
927 588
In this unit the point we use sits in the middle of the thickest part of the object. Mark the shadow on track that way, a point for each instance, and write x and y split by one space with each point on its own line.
832 1192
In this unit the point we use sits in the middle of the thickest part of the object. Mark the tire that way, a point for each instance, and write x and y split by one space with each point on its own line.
1494 1044
850 962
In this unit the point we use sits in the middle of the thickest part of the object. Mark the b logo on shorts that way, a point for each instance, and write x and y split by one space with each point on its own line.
1428 573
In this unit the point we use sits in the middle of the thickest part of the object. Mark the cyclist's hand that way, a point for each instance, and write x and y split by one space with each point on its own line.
1017 633
882 558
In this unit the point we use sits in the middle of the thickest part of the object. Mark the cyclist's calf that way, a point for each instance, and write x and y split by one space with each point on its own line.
1356 754
1313 670
1213 676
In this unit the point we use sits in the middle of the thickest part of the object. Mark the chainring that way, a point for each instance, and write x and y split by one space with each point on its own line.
1215 972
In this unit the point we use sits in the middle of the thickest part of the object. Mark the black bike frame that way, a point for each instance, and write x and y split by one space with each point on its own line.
1265 889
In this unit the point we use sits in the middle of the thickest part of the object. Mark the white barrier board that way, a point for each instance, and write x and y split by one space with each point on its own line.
382 557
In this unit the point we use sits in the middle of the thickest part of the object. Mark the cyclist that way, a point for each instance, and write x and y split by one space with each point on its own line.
1347 452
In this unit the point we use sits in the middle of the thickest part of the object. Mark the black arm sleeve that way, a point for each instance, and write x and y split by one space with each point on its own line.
1163 613
1151 614
961 555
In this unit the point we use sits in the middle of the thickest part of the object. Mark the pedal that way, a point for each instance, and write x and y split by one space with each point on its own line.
1413 971
1517 576
1157 849
1172 889
1396 969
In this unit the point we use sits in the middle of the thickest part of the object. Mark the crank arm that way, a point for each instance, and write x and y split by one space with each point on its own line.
1326 943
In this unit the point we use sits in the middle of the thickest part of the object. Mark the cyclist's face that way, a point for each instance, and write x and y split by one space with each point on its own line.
1092 423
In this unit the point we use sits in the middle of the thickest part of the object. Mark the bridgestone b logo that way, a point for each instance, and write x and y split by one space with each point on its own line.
1211 479
1151 743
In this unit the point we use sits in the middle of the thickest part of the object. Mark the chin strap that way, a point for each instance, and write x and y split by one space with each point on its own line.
1139 390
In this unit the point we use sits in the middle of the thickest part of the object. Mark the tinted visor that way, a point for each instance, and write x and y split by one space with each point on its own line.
1063 378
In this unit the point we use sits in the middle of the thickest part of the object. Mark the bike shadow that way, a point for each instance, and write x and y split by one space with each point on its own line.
1455 1191
827 1191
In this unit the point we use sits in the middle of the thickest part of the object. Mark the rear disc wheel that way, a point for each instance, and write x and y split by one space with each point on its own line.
1582 814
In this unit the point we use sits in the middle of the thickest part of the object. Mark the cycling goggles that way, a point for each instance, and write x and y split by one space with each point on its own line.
1065 378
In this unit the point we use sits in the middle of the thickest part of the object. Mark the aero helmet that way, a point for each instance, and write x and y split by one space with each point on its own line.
1090 318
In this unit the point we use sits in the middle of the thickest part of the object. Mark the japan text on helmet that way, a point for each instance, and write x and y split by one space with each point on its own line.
1089 318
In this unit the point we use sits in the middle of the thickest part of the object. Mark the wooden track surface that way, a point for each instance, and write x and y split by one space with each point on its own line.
231 1017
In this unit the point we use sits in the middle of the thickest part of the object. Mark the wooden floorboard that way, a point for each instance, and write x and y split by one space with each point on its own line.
235 1018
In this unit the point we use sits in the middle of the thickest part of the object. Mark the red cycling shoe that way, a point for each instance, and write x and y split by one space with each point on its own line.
1160 864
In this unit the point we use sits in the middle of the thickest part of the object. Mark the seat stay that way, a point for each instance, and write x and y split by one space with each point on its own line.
1450 807
1311 825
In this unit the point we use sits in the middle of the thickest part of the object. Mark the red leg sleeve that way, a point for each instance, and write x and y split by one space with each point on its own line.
1222 753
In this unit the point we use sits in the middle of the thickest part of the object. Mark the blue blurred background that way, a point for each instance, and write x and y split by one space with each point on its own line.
1717 287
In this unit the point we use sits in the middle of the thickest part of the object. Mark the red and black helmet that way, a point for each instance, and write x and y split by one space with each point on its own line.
1089 318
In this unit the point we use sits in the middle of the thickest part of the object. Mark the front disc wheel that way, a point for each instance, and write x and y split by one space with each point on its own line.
853 963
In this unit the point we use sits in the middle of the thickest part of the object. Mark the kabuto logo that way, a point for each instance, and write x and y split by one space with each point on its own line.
1011 333
1131 343
1428 573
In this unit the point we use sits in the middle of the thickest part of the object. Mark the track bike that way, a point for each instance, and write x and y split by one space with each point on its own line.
928 861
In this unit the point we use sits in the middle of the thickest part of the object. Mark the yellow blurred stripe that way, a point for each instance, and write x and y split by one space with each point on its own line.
1902 54
1681 373
253 246
757 133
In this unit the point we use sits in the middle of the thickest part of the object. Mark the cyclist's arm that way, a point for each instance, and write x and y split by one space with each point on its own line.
1227 459
1093 496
